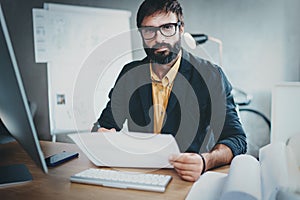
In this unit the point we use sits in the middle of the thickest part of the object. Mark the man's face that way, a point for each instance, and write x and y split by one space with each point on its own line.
162 49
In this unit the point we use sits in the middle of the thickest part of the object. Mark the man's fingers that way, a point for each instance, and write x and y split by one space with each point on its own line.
183 166
183 172
190 178
106 130
187 165
185 158
188 175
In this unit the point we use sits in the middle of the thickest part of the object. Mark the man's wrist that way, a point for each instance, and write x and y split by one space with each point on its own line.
203 164
218 156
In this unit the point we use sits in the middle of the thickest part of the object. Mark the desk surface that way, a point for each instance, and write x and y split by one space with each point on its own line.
56 184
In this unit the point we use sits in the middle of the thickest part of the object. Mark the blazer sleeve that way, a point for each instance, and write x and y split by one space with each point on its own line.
114 115
117 108
232 134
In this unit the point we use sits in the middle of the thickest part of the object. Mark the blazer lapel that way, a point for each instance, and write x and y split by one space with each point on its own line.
145 92
179 89
146 98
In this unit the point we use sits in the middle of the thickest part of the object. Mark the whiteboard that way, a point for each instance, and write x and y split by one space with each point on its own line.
76 75
285 121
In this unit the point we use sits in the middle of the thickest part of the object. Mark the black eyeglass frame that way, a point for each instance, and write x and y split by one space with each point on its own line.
155 29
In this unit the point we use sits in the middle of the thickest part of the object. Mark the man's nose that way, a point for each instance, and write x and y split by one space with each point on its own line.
159 37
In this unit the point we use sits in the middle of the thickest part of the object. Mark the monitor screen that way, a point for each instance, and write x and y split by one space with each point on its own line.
14 109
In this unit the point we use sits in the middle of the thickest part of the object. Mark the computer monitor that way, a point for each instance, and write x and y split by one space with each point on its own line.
14 108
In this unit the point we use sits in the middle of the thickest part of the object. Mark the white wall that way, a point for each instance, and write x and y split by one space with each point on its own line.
261 41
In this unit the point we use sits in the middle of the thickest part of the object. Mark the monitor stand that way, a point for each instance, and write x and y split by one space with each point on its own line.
5 136
14 174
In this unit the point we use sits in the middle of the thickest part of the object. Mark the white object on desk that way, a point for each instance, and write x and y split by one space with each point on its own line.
285 126
279 170
275 175
209 186
293 143
127 149
242 182
285 111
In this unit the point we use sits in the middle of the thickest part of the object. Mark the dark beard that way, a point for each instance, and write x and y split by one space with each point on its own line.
162 57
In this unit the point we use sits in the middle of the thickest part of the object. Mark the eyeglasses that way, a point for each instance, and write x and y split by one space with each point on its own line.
167 30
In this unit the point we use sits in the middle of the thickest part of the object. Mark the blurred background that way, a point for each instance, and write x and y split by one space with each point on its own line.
261 43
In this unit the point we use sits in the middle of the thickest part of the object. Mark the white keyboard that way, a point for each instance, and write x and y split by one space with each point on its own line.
121 179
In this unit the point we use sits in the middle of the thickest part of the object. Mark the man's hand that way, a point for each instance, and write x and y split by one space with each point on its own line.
106 130
188 165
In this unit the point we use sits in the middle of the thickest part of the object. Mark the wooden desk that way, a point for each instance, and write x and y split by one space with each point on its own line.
56 184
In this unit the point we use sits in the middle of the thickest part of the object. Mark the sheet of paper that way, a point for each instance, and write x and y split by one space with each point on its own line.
279 170
284 195
293 143
209 186
243 181
275 176
127 149
39 32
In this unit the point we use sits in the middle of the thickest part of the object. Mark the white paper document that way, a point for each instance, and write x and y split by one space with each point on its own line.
280 171
209 186
243 181
39 32
274 177
240 183
127 149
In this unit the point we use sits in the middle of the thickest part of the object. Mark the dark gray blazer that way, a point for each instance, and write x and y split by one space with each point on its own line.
200 113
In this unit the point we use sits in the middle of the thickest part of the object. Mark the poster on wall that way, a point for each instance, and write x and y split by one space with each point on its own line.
81 46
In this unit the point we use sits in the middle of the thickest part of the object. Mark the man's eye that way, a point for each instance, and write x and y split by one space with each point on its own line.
168 26
148 30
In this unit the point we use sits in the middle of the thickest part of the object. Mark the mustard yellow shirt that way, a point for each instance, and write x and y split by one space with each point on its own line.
161 90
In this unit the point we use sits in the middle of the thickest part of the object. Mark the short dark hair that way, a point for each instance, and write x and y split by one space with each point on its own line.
149 7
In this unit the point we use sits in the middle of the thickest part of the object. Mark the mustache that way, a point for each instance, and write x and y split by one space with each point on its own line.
159 45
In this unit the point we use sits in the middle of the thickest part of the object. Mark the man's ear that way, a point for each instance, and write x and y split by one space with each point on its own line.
181 29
